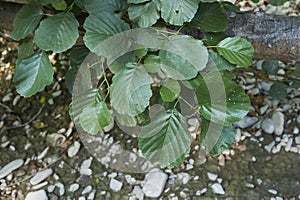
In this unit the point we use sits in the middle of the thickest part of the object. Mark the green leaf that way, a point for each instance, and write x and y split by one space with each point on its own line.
210 17
32 74
96 117
25 50
77 56
170 90
177 12
57 33
81 101
270 66
26 20
109 6
61 5
220 100
165 138
121 61
208 1
229 7
278 2
100 27
152 63
137 1
129 121
145 14
185 58
277 91
212 38
130 91
297 70
45 2
215 137
217 62
236 50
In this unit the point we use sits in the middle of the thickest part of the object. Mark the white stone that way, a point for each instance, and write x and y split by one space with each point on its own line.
37 195
212 176
51 188
217 188
138 193
39 186
61 187
296 130
74 187
269 147
155 182
184 177
278 119
263 109
289 144
87 189
85 171
268 126
272 191
43 154
246 122
297 140
298 119
40 176
73 149
10 167
92 195
115 185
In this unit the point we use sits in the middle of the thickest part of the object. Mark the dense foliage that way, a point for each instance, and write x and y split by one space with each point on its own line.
202 66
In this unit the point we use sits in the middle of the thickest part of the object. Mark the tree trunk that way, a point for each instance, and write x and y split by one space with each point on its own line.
273 37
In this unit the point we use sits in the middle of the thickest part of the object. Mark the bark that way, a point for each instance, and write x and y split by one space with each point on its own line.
273 37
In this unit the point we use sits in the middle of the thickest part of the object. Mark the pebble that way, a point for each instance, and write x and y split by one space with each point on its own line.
138 193
278 119
73 149
272 191
10 167
74 187
246 122
40 195
212 176
298 119
39 186
217 188
268 126
184 177
40 176
92 195
61 188
289 144
115 185
269 147
297 140
43 154
87 189
296 130
155 182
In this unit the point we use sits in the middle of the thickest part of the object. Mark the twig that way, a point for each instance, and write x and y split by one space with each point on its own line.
26 123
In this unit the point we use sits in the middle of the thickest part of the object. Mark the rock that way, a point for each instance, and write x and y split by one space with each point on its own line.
40 176
263 109
115 185
138 193
87 189
184 177
246 122
155 182
278 119
43 154
61 188
40 195
268 126
212 176
10 167
92 195
272 191
73 149
297 140
217 188
296 130
289 144
269 147
298 119
74 187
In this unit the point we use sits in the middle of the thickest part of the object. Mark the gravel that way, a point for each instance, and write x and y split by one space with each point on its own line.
10 167
115 185
155 182
40 176
37 195
217 188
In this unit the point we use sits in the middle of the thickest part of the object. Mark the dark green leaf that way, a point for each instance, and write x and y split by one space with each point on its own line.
185 57
137 1
215 137
270 66
145 14
278 2
217 62
152 63
220 100
130 91
25 50
32 74
213 39
45 2
165 138
121 61
277 91
176 12
236 50
57 33
26 20
61 5
210 17
109 6
102 26
169 90
297 70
